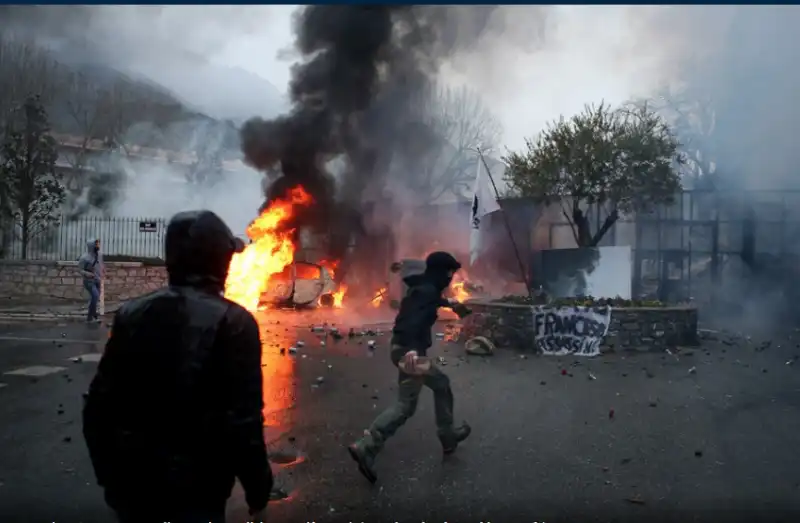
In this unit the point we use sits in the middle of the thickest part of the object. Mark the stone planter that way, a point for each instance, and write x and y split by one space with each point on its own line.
634 329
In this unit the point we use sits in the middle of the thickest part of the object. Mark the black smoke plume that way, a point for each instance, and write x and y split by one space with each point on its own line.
353 100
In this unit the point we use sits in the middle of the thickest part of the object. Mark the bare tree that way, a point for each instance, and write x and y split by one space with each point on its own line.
693 120
441 158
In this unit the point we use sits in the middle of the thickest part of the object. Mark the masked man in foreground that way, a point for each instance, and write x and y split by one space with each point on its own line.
174 413
411 338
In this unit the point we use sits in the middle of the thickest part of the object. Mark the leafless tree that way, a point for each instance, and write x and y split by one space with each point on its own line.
451 124
693 120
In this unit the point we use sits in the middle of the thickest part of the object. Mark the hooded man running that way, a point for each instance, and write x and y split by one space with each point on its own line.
411 338
174 413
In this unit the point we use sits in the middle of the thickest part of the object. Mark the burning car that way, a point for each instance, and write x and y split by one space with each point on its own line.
300 284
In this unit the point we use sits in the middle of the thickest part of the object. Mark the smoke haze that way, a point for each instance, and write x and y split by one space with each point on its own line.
732 66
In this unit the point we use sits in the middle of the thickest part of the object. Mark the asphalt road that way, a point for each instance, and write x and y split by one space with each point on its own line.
703 435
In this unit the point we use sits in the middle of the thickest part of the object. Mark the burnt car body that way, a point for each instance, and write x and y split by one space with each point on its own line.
301 284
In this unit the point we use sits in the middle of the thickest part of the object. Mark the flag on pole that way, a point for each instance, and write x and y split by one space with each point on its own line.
484 202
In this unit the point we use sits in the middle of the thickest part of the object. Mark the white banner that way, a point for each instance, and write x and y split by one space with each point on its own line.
484 202
570 330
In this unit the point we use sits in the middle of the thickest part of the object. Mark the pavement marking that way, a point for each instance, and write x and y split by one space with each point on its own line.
93 357
49 340
35 371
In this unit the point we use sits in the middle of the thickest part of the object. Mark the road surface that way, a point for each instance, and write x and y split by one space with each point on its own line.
705 435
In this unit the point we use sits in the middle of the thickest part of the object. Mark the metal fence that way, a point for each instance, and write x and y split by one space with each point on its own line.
707 238
139 237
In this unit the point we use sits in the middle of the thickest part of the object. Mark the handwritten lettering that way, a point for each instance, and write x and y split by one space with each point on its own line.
570 330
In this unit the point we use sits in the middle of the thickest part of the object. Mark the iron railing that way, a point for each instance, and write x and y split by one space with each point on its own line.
65 240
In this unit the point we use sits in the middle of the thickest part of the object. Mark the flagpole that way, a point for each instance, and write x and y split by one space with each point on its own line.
522 271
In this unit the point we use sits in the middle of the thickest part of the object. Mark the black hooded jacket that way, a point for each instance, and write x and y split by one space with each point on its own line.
419 308
174 413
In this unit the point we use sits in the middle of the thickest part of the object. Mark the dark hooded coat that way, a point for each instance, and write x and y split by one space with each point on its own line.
174 413
419 308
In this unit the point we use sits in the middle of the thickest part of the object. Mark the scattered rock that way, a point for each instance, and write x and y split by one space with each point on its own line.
67 439
693 370
653 404
591 377
371 344
77 360
320 379
698 453
300 344
292 350
479 346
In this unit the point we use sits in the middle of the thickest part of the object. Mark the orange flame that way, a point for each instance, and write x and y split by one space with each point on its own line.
270 252
458 289
338 295
379 296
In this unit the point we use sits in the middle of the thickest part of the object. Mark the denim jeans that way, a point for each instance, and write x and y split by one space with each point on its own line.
93 287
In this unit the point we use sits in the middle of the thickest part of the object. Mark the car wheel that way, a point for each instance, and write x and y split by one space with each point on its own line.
326 300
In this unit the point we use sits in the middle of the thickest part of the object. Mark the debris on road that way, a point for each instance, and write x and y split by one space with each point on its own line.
301 344
636 500
693 370
77 359
591 377
479 346
292 350
611 414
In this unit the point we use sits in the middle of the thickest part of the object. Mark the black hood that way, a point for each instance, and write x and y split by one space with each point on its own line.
439 267
199 247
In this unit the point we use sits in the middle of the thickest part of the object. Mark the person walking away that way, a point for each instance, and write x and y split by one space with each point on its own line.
411 338
90 265
174 413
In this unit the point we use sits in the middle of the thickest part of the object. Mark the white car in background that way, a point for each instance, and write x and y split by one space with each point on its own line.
301 284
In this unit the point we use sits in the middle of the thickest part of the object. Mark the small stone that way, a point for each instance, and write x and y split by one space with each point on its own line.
592 377
698 453
300 344
322 343
653 404
440 335
67 439
371 343
320 379
611 414
292 350
330 367
693 370
542 383
77 360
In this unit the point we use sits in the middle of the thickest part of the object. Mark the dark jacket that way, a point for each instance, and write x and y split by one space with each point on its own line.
418 313
174 413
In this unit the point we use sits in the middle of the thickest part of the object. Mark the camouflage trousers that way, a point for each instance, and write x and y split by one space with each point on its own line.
409 388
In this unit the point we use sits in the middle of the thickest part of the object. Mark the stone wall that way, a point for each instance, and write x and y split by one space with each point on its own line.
54 281
632 329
